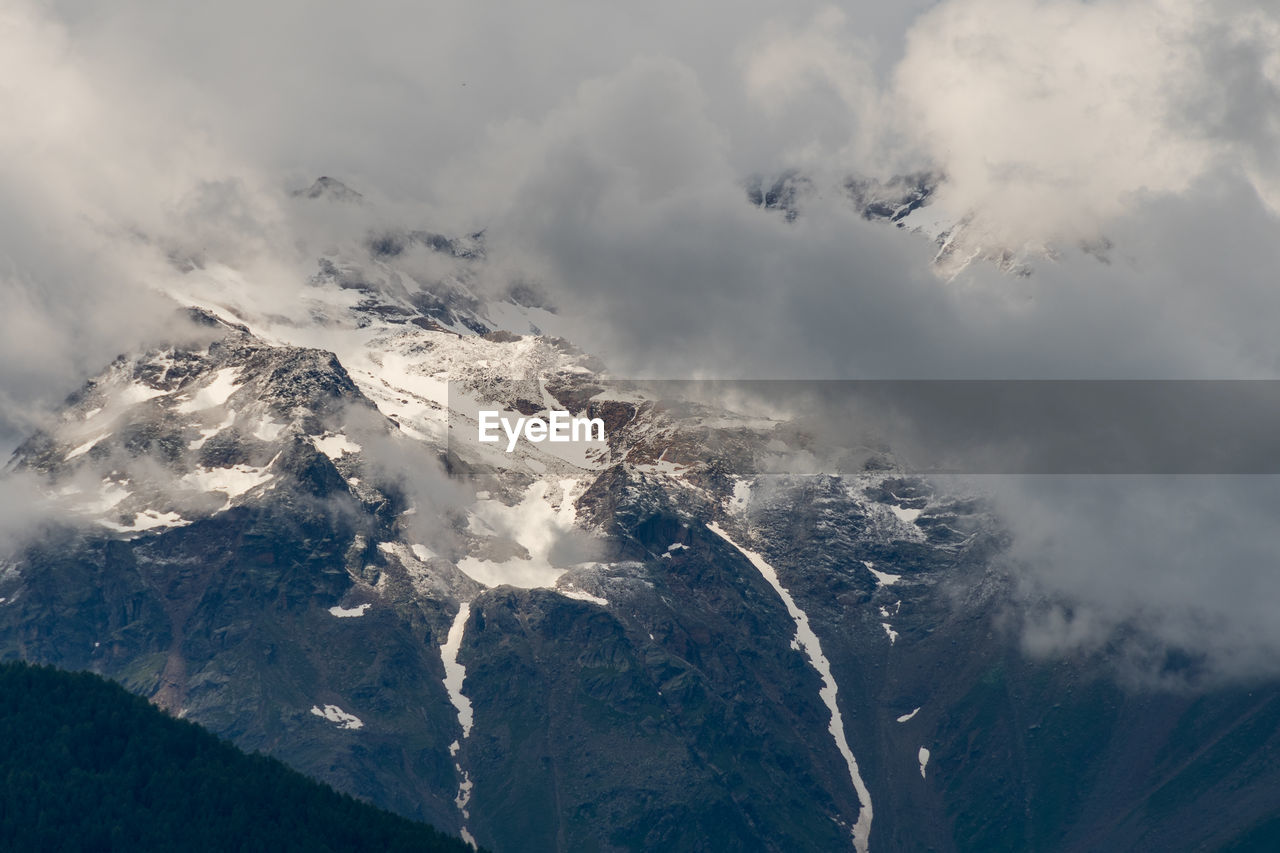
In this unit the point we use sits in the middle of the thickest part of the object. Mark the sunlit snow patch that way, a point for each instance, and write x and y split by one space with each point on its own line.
233 481
533 524
570 592
334 714
906 717
349 613
214 394
454 672
335 446
923 757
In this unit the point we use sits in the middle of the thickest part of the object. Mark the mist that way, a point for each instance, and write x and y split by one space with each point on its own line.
605 152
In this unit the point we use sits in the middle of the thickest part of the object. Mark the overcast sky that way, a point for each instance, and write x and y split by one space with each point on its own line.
605 146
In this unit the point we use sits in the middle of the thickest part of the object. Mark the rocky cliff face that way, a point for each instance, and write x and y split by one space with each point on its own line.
671 641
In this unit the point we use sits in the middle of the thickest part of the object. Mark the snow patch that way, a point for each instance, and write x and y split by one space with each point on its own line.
533 524
923 757
454 672
892 634
233 481
570 592
336 446
806 637
883 578
349 613
908 516
906 717
214 394
334 714
464 794
86 447
147 520
399 389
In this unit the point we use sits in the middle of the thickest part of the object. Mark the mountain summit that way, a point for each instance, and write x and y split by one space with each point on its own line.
329 189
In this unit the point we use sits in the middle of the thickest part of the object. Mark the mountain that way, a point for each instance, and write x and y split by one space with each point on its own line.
697 634
918 202
89 766
329 189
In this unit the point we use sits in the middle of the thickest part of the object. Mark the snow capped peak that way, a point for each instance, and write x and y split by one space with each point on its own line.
917 203
784 193
329 189
168 437
895 198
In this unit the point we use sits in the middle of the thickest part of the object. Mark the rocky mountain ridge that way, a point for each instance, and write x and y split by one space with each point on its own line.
276 526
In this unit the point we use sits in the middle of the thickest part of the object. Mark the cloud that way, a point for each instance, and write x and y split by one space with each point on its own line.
1053 117
85 171
816 84
605 151
1173 578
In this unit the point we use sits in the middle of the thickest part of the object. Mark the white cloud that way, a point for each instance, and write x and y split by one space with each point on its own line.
817 83
1053 116
1147 565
